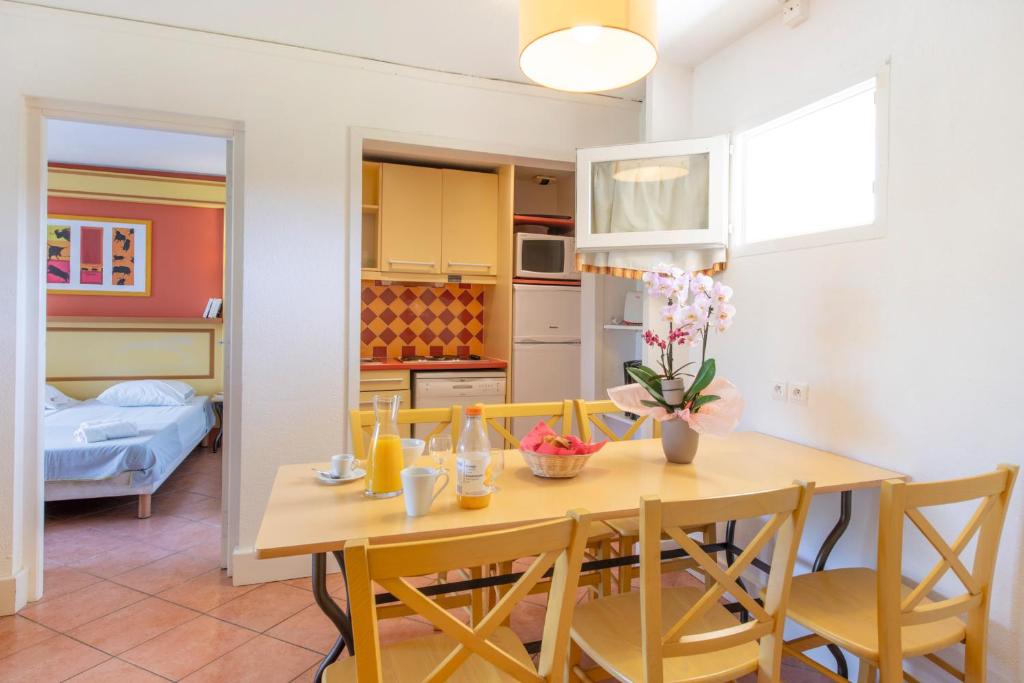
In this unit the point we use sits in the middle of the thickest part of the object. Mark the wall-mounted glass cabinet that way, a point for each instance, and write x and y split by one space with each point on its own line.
655 194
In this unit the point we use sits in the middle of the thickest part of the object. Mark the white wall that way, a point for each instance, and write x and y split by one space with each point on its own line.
667 96
911 343
297 107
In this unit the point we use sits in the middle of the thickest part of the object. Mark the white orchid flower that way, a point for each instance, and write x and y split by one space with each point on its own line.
721 293
693 316
702 303
681 283
702 284
670 312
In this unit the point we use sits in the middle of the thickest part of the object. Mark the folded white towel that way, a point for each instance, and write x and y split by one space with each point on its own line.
102 430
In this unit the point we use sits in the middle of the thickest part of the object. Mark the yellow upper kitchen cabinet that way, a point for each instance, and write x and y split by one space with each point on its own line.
371 212
469 244
410 219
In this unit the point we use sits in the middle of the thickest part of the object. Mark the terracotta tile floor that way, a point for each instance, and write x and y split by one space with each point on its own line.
145 600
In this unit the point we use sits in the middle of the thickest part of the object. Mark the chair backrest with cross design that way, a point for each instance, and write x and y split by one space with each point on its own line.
588 417
496 416
786 510
899 605
556 544
361 422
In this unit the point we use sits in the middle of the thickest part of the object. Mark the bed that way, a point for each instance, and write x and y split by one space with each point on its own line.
121 467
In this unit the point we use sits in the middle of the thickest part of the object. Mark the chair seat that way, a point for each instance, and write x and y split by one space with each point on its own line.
627 526
841 606
599 531
630 526
608 630
412 660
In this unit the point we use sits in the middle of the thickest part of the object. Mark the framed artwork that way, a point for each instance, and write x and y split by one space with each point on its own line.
105 256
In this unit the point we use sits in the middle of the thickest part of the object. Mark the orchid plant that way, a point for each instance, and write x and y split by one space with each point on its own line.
694 303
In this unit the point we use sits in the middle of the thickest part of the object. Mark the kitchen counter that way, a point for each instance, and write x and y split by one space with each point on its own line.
395 364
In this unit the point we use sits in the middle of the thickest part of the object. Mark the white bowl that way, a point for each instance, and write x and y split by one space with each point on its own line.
412 449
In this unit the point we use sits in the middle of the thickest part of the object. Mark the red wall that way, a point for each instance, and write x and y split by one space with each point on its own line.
187 267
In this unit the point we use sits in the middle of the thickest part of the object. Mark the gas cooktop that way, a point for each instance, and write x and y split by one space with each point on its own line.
438 359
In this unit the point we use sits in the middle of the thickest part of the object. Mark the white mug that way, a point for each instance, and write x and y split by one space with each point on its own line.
418 484
341 465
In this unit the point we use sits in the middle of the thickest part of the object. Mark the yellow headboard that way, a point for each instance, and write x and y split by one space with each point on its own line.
84 356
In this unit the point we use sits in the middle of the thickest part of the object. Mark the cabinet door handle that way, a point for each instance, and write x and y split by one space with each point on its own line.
379 381
467 264
426 264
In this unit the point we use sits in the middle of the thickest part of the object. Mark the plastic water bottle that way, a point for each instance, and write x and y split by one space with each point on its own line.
472 458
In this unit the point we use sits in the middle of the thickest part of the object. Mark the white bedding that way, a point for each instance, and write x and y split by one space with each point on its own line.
166 435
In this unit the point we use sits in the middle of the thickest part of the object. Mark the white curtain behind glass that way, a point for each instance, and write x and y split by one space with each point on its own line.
651 205
623 206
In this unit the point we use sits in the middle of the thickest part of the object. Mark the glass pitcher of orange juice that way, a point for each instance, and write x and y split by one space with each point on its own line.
385 461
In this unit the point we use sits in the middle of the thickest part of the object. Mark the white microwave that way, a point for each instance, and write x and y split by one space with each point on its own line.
546 257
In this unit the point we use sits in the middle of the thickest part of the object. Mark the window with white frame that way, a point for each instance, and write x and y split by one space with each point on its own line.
812 176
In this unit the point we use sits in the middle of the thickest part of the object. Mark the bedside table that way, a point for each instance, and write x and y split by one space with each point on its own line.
218 408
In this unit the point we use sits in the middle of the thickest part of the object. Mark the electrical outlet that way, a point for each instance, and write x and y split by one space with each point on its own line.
798 392
794 12
780 390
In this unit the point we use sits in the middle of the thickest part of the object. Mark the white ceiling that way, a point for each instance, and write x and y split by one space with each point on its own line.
96 145
477 37
690 31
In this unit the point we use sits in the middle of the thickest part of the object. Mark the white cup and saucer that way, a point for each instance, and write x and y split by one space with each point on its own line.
343 469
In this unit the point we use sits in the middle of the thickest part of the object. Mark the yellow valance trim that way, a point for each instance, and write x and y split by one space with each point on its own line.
632 273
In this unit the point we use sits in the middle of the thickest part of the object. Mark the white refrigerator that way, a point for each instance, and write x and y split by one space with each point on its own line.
545 346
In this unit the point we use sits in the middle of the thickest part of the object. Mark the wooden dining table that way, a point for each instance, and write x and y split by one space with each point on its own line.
304 517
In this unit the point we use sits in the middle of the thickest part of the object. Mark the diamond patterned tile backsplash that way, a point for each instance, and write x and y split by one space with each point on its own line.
405 320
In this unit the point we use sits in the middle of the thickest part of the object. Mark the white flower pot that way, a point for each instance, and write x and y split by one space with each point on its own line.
678 441
673 390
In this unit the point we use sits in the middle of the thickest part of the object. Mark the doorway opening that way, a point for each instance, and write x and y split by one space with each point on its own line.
139 237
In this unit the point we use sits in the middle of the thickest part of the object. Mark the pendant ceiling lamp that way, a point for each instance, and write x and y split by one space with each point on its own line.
647 171
587 45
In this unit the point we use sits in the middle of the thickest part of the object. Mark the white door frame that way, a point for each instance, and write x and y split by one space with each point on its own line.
33 302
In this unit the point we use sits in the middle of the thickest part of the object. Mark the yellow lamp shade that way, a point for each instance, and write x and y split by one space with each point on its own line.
587 45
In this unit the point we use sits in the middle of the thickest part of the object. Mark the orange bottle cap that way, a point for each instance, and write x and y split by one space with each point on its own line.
475 410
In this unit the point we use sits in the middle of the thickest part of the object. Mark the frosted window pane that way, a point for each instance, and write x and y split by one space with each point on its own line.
812 174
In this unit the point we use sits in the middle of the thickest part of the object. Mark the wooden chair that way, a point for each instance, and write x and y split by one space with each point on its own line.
361 422
588 416
497 415
685 633
880 619
485 652
627 530
558 415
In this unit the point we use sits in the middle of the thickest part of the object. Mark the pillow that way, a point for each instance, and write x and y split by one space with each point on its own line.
55 399
147 392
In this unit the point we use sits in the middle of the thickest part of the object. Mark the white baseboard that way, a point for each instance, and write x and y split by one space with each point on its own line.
13 592
246 569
